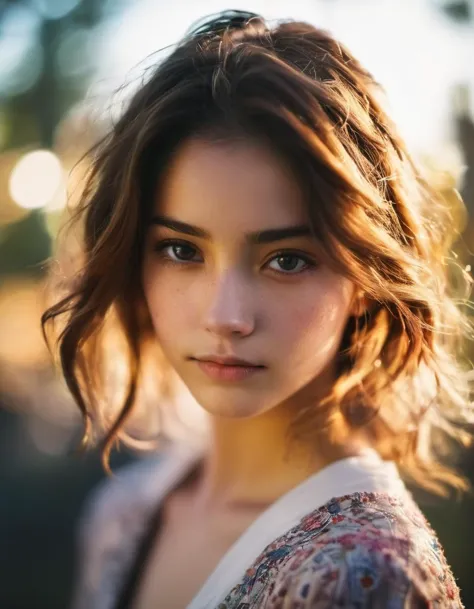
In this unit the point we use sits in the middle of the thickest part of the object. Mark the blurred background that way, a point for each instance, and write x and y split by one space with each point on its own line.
63 64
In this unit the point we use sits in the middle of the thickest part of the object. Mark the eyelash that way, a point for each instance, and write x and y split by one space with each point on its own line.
161 246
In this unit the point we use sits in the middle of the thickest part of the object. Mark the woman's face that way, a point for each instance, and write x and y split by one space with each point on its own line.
230 271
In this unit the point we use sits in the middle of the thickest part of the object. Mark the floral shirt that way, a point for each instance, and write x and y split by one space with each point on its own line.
360 551
364 550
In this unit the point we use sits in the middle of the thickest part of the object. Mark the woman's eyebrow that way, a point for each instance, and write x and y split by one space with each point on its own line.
265 236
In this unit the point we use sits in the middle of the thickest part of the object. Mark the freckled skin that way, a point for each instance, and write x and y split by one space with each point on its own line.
231 301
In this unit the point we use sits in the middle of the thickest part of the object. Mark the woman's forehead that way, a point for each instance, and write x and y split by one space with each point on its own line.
241 183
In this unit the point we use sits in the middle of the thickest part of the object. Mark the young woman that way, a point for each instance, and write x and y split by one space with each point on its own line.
255 215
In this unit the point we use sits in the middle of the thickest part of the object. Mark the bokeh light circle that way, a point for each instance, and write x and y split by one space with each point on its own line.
35 179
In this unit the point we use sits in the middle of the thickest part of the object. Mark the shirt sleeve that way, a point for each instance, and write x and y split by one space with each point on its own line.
354 578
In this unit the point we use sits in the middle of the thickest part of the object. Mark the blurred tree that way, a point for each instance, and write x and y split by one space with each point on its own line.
459 10
24 246
56 36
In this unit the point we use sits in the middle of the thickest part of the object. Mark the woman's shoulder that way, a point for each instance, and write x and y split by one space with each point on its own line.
125 490
116 504
134 489
365 549
114 519
110 525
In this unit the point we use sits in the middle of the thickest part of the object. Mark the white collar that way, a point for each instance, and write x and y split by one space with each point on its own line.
363 473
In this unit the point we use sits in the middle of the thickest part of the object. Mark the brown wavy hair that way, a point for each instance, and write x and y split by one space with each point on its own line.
403 375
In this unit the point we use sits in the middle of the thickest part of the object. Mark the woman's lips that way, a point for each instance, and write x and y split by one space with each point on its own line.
228 372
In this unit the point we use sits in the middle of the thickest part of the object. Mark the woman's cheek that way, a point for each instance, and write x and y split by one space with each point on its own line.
312 324
173 307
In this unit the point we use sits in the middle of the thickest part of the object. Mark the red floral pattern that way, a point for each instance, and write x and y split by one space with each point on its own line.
360 551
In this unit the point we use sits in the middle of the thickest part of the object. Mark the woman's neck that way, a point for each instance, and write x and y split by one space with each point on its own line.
250 463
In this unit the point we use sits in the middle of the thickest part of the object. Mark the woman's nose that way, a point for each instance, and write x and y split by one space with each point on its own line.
231 310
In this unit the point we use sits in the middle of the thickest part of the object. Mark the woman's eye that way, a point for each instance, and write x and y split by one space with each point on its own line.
289 263
181 252
177 251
